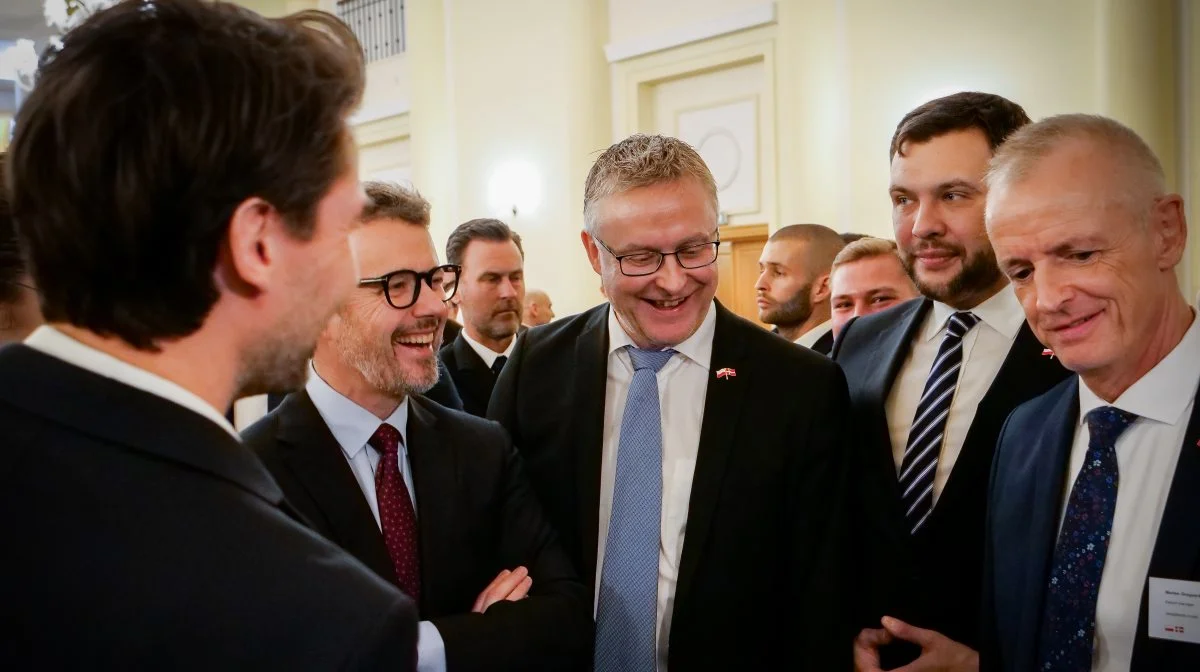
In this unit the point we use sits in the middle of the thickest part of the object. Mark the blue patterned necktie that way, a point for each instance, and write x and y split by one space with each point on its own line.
1069 616
924 446
627 611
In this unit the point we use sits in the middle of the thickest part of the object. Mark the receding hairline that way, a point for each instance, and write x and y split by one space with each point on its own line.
1138 169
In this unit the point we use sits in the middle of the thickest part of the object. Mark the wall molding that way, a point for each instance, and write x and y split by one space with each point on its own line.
759 15
382 129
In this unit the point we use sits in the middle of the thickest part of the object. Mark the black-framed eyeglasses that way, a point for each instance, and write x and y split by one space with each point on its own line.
401 288
647 262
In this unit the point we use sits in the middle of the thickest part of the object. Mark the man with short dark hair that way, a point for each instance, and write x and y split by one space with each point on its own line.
793 283
931 382
442 508
19 311
492 297
188 253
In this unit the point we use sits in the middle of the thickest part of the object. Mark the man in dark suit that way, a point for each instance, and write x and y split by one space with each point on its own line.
446 512
139 532
492 299
1093 539
931 382
699 490
793 289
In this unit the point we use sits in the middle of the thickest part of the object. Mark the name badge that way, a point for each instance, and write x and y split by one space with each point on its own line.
1175 610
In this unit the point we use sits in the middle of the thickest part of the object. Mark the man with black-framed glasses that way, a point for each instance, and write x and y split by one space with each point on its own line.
432 499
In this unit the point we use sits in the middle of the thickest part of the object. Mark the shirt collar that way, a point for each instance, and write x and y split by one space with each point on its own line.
810 337
1163 394
697 347
55 343
351 424
1002 312
485 353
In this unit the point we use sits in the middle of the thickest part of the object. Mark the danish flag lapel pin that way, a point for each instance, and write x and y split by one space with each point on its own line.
726 373
1048 353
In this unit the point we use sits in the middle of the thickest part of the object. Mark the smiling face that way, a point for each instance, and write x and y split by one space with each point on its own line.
938 196
665 308
867 286
1094 272
393 350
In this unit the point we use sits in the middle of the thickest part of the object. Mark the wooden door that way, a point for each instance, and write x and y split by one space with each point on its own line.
737 266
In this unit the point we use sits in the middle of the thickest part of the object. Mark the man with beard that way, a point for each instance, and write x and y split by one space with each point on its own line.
793 284
693 463
492 299
434 500
182 261
932 381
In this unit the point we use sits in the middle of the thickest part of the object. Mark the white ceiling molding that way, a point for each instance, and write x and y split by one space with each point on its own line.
759 15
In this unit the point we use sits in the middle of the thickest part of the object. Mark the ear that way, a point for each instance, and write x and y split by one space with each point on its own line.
821 289
251 240
1168 225
593 251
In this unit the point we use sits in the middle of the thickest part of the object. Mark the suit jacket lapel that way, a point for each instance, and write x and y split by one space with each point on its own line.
722 410
435 479
478 377
316 459
1177 549
1046 471
1025 373
587 428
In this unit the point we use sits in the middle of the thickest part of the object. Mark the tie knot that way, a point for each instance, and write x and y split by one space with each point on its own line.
960 323
386 440
649 359
1107 423
498 364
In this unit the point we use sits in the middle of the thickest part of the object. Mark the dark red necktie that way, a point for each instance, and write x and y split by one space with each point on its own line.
396 513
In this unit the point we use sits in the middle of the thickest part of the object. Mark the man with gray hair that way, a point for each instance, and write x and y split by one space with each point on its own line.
699 490
1093 542
793 283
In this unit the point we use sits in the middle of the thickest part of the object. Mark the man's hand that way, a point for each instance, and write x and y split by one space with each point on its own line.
938 652
507 585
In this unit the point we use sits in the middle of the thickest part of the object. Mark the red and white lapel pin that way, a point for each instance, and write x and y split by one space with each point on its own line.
726 373
1047 352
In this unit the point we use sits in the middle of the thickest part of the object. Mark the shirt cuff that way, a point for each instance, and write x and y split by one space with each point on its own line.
431 650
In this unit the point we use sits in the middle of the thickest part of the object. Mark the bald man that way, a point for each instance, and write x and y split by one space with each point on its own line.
538 308
793 284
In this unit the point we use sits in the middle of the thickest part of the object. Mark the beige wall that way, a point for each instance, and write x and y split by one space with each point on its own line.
498 83
873 60
632 20
1189 78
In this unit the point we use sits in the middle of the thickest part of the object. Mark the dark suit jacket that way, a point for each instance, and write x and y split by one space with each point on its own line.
824 344
472 378
451 332
476 516
1026 497
140 535
932 579
760 580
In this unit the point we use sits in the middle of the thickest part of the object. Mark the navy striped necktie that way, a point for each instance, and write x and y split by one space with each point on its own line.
919 466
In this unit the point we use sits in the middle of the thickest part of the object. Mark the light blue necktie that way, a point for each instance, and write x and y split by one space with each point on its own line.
628 606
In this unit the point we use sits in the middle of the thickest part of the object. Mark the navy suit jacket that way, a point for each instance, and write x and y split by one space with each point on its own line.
1026 497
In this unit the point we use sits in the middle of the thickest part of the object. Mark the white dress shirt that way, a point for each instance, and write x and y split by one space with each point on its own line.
51 341
984 349
485 353
682 412
1146 456
810 337
352 426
